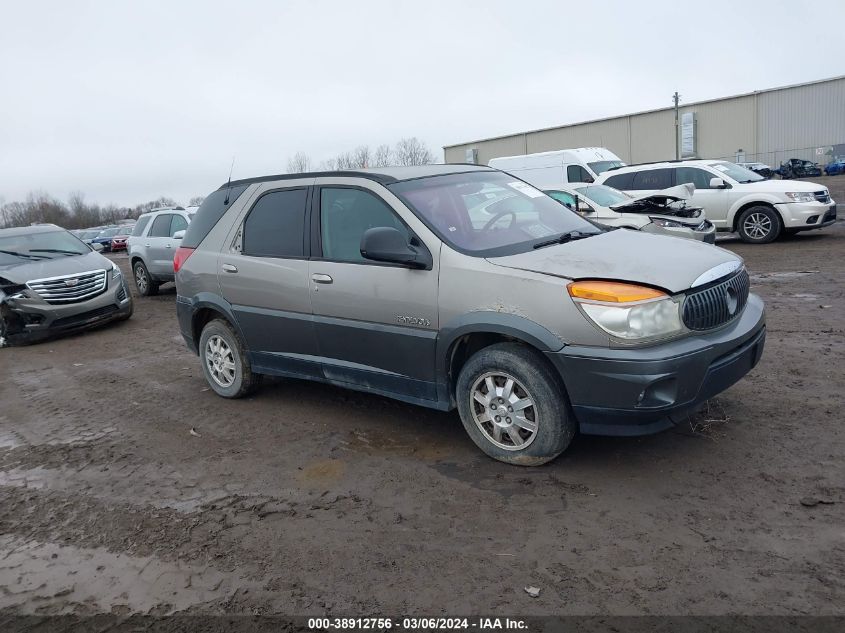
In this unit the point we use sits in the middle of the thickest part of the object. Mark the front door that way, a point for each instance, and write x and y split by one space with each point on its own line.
376 323
263 273
715 202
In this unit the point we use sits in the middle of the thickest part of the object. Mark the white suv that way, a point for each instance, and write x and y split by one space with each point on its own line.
734 198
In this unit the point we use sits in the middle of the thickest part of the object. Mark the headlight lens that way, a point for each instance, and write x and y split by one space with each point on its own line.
666 223
628 311
801 196
115 271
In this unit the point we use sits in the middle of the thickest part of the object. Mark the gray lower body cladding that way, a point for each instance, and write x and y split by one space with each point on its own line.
641 391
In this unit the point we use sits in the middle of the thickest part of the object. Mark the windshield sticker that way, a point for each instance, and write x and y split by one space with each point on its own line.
537 230
525 188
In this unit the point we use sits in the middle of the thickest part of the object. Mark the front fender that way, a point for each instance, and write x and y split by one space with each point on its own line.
749 199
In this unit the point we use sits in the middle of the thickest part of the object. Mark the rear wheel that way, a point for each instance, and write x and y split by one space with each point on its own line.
225 362
759 225
512 405
145 284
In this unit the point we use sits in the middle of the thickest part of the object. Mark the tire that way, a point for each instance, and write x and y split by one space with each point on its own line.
219 337
759 225
145 284
533 380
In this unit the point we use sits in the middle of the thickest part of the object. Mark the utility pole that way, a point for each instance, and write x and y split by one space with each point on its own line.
676 98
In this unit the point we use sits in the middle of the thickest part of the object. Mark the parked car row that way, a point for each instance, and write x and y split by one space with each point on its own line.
109 238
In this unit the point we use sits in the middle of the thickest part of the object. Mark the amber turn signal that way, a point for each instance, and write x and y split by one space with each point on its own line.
612 291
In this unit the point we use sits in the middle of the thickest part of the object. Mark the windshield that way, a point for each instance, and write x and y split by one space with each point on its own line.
740 174
510 216
603 165
603 195
108 232
39 246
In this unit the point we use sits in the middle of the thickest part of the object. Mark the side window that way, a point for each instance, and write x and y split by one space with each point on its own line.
698 177
275 226
140 226
576 173
178 224
652 179
622 182
161 226
345 215
561 196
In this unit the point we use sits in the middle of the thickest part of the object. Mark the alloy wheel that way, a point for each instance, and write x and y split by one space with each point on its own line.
504 411
757 225
141 279
220 361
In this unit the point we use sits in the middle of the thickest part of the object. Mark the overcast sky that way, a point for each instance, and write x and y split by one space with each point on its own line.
127 101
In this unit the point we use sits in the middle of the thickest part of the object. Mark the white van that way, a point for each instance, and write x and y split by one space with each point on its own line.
550 169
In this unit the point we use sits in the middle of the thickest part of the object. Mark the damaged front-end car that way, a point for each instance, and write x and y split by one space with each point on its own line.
670 215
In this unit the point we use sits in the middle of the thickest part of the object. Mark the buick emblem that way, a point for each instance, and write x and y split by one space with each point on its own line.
730 300
70 283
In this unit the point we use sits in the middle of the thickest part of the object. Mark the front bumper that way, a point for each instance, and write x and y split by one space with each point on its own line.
707 235
805 216
32 319
646 390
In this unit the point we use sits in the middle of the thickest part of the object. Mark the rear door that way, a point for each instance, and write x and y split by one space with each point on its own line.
376 323
263 274
158 247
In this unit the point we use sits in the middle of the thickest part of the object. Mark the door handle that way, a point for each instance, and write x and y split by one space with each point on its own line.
148 245
167 245
229 268
321 279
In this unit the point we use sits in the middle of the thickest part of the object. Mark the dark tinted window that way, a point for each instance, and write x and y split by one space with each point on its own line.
698 177
209 214
141 225
345 214
620 181
576 173
161 226
275 226
178 224
652 179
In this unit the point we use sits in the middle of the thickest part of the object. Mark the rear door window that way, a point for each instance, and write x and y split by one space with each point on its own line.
275 226
161 226
650 179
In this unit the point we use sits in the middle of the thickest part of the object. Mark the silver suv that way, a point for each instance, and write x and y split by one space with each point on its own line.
51 282
406 282
151 246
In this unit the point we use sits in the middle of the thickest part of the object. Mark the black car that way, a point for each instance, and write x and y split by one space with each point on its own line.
798 168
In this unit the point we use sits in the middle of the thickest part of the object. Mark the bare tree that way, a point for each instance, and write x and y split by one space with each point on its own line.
344 161
361 157
383 156
412 151
328 165
299 164
196 201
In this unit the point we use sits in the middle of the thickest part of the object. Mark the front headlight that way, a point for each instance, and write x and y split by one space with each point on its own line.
666 223
801 196
628 311
115 271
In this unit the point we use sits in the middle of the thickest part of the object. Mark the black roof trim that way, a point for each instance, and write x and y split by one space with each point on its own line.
380 178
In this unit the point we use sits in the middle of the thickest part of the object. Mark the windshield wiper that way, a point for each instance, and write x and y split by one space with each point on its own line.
26 255
563 238
54 250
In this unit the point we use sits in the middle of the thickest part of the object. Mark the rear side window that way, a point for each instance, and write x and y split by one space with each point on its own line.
178 224
275 226
143 221
652 179
576 173
209 214
622 182
161 226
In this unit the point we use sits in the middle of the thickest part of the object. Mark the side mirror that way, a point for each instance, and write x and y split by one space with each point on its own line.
387 244
585 208
718 183
96 246
178 235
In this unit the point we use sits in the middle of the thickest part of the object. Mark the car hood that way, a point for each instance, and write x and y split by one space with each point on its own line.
656 260
779 186
663 197
28 270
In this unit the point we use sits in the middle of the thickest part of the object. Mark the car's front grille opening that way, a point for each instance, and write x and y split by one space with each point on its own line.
830 215
822 196
717 305
83 317
70 288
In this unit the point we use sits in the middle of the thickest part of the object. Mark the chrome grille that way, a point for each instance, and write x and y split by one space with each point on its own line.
70 288
717 305
822 196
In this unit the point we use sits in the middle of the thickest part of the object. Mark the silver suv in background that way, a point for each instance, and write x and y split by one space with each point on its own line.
51 282
151 247
530 320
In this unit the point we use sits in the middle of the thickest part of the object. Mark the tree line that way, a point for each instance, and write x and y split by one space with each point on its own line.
407 151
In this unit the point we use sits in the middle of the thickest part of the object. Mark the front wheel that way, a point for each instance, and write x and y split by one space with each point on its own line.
512 405
759 225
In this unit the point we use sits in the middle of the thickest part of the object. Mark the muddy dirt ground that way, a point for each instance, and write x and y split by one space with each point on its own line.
307 499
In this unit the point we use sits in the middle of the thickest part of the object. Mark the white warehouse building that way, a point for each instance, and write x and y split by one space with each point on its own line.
804 121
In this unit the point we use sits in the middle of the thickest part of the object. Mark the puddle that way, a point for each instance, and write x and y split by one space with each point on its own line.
323 471
53 579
